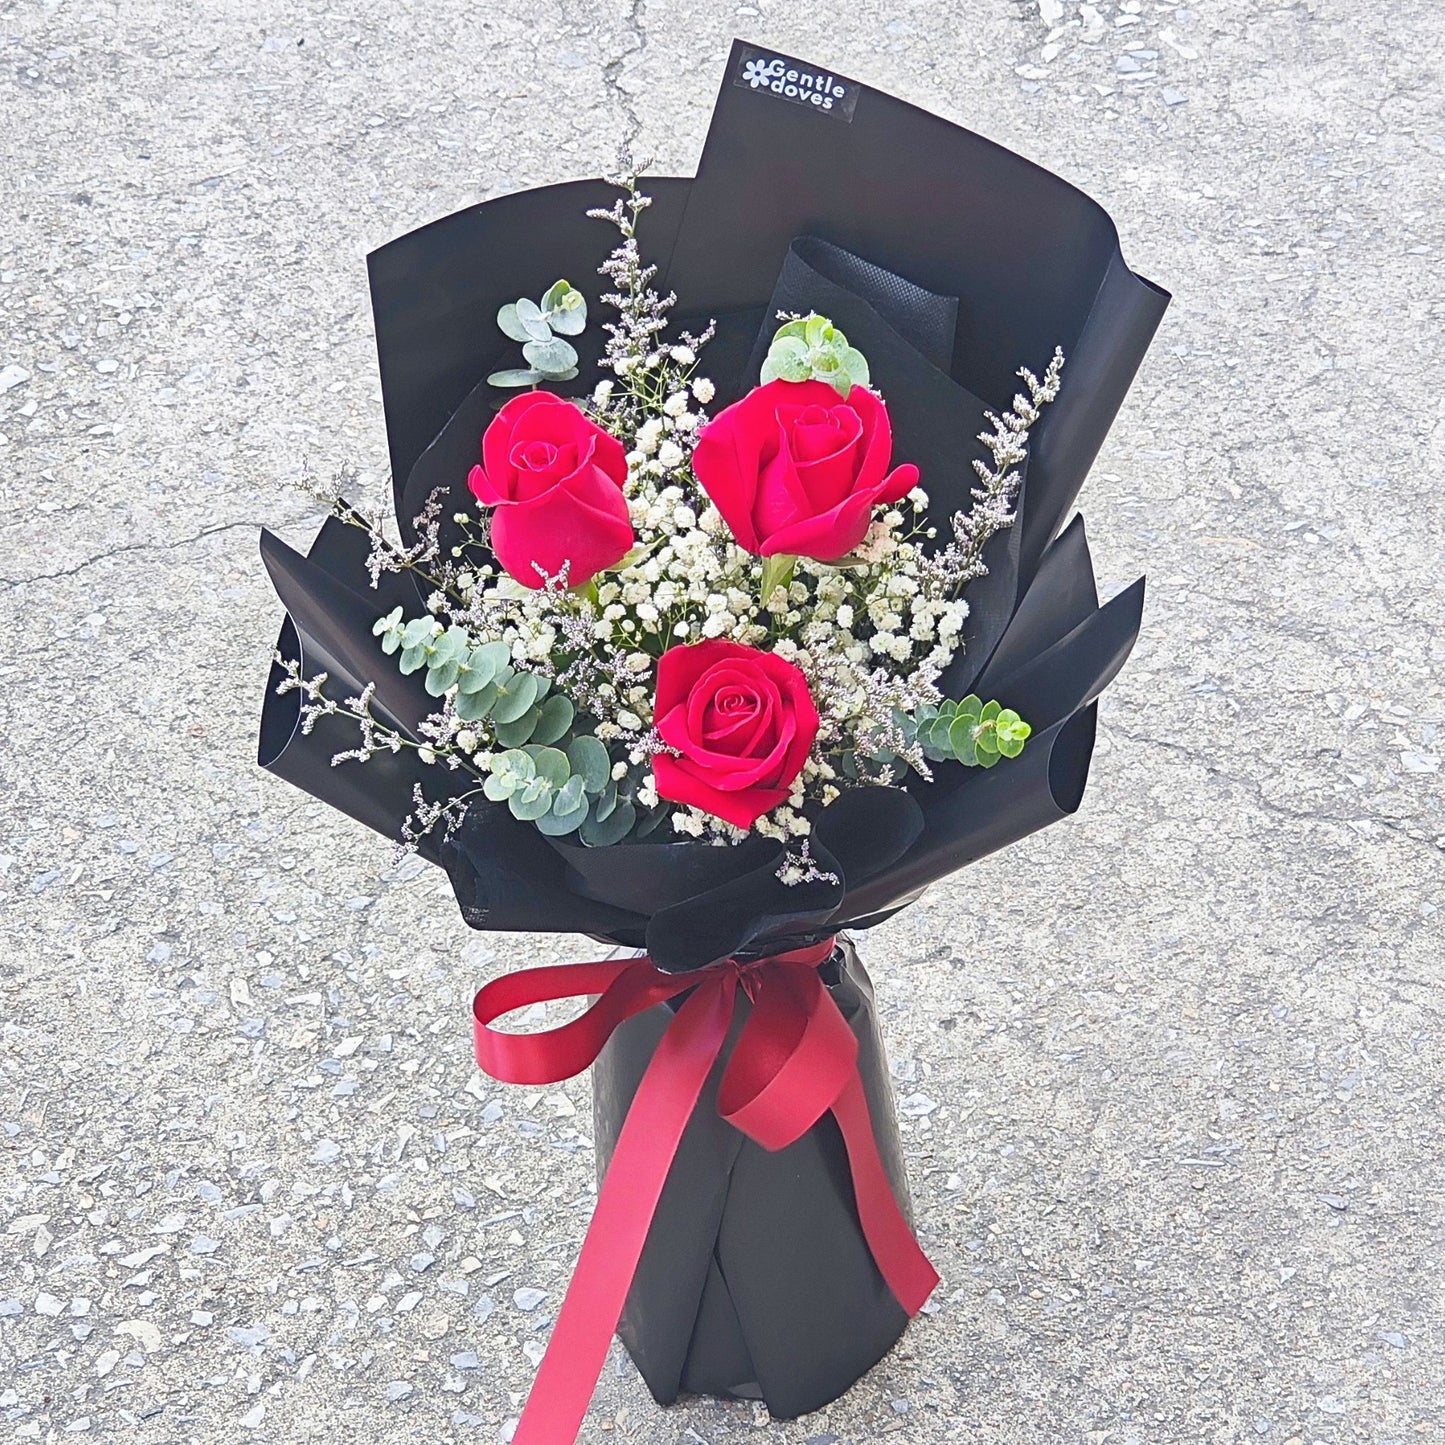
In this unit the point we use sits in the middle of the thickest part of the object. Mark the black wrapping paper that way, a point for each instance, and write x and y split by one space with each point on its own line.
756 1280
949 262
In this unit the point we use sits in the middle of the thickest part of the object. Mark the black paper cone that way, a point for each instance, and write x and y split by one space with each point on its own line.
756 1280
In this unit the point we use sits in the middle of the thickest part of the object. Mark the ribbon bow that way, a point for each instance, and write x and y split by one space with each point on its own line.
795 1059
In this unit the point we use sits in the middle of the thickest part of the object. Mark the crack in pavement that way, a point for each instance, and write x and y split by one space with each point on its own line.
1435 845
611 73
10 584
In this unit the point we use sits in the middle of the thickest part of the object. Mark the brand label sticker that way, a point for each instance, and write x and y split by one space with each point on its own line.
820 90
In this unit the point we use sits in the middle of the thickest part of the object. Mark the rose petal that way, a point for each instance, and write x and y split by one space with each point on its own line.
497 439
827 537
676 781
482 488
898 483
582 521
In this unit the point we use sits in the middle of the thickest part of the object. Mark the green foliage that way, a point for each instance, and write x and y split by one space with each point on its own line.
540 327
972 732
544 785
813 349
547 776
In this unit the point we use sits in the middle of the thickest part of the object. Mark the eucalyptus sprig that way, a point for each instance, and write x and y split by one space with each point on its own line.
972 732
811 348
540 327
563 784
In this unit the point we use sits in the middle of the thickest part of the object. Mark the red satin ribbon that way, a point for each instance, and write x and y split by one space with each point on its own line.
795 1059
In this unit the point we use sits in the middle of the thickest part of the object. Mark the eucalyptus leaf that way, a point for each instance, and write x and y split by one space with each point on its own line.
557 716
476 672
515 763
960 738
559 822
515 697
1010 746
412 658
474 706
605 801
613 829
551 764
551 356
570 796
513 734
418 630
515 376
533 322
565 309
589 757
499 786
651 821
511 323
497 654
440 678
531 801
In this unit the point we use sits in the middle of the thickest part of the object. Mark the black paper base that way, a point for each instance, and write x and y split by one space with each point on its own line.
756 1282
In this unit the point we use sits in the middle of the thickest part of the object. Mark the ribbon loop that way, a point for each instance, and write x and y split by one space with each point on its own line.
568 1050
795 1059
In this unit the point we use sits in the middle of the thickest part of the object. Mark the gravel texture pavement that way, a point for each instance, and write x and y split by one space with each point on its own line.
1171 1074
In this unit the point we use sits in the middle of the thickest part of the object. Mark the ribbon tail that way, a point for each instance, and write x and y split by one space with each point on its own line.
899 1257
628 1198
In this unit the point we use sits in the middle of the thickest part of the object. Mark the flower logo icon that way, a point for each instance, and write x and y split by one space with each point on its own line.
760 72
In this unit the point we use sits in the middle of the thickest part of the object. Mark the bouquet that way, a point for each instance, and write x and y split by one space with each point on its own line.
726 611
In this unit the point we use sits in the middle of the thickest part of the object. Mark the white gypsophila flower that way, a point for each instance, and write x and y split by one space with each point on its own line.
676 404
686 820
703 390
683 355
602 391
670 455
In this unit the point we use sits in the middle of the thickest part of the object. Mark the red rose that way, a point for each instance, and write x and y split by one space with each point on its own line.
796 469
744 722
555 478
